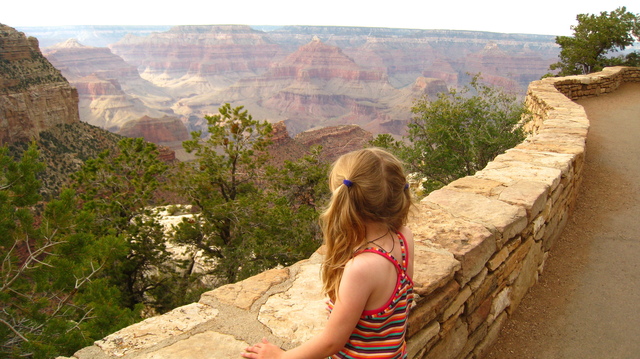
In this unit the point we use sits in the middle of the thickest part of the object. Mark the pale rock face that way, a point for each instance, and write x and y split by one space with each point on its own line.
200 346
153 331
300 312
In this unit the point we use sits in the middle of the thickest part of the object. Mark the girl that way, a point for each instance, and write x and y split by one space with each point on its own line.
368 266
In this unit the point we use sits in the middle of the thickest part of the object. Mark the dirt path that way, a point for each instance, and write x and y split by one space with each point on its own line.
587 302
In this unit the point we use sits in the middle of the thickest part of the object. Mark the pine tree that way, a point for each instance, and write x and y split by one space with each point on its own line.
49 296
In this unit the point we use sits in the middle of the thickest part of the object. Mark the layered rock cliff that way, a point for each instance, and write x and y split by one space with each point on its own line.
198 58
37 103
347 75
156 130
110 90
316 86
34 96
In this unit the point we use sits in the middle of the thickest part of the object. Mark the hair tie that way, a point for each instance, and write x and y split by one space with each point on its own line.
347 183
406 186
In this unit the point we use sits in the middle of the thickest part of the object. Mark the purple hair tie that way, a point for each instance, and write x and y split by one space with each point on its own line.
347 183
406 186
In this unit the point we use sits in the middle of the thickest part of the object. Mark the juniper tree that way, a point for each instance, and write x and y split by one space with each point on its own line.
595 40
244 223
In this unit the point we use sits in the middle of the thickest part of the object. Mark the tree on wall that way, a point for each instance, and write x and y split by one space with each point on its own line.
595 39
458 133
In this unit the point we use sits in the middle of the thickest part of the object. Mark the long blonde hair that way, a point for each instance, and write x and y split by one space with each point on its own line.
375 190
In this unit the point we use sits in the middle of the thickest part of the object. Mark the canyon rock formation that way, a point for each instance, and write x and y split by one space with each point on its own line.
307 77
110 90
38 104
157 130
34 96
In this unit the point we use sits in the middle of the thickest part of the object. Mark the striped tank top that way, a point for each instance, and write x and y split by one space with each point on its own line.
380 333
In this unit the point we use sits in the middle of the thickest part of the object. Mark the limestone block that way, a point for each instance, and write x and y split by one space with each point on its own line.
430 308
545 146
538 227
561 161
501 302
511 172
451 343
493 332
528 275
243 294
201 346
575 122
472 244
487 289
451 323
512 266
499 217
477 281
529 195
553 142
477 185
498 259
457 303
300 312
153 331
480 315
433 268
474 338
421 339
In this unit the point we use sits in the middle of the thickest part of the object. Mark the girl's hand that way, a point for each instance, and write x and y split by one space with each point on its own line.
264 350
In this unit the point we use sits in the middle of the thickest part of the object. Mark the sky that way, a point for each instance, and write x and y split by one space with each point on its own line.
546 17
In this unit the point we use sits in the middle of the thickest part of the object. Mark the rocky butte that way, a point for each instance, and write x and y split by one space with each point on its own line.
34 96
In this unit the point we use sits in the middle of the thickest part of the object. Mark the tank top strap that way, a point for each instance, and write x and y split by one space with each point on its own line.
404 250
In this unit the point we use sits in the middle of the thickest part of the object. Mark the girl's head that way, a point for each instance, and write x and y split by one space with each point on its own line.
367 185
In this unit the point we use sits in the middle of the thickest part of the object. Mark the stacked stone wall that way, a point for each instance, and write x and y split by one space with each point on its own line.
480 244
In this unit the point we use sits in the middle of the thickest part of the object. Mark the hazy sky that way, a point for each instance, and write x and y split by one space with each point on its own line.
549 17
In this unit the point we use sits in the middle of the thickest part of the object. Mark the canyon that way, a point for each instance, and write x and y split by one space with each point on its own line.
307 77
38 104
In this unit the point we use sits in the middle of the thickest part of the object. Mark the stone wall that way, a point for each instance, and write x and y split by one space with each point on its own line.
481 243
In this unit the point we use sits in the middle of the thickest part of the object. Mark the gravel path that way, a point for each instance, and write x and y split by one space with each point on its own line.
587 302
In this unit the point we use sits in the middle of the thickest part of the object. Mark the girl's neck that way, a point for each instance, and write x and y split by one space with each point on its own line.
375 230
378 234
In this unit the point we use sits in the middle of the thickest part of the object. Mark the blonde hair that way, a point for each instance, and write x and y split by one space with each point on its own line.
375 190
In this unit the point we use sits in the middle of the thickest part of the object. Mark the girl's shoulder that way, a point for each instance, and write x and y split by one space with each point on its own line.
407 235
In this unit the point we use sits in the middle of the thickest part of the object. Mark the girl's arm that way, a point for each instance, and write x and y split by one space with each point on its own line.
357 284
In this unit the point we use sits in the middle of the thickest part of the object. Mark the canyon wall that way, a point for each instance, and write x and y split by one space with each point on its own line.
34 96
305 76
111 91
481 243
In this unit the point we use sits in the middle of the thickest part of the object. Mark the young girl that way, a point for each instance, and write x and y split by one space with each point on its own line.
368 266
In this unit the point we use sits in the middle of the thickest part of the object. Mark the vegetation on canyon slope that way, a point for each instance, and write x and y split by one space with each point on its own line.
95 258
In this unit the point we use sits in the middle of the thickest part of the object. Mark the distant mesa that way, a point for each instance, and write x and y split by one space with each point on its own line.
156 130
